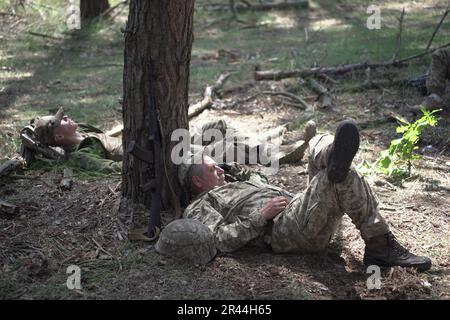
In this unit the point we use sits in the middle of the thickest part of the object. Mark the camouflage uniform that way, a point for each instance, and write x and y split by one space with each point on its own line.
309 221
249 150
226 149
439 72
98 152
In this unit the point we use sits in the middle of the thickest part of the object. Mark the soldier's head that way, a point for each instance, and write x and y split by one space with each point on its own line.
56 130
201 177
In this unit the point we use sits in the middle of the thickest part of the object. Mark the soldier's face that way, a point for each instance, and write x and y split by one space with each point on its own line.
65 132
213 175
67 127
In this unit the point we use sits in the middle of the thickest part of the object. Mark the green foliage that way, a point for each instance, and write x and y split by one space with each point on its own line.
397 160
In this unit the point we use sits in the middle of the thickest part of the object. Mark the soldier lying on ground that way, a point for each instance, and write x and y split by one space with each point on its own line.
91 149
245 212
438 75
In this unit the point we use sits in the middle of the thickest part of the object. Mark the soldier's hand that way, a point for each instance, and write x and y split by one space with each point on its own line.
274 207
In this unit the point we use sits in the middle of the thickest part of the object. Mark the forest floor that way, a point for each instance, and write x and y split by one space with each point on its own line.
83 72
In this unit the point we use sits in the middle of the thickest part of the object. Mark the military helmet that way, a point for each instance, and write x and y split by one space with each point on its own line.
188 240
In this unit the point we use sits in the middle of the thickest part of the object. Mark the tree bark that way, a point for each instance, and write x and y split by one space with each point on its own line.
158 42
92 8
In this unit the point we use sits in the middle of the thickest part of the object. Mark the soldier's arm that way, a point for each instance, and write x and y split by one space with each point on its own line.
228 236
237 172
92 159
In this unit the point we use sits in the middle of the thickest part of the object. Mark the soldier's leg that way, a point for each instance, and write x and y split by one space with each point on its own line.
311 219
439 72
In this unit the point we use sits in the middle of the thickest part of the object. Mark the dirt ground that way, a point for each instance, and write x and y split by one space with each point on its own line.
55 229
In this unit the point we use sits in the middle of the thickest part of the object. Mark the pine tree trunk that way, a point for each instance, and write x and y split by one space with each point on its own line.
158 42
92 8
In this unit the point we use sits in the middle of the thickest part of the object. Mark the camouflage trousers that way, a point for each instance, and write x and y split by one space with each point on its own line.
439 72
311 218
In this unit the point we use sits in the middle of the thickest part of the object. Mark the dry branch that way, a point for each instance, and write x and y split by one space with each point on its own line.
336 70
286 5
7 210
296 101
44 35
438 27
208 97
325 98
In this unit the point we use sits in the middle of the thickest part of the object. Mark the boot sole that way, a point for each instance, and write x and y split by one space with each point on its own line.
382 264
345 146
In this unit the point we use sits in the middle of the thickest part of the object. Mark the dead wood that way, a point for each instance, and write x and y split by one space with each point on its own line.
286 5
7 210
337 70
44 35
208 97
324 95
296 101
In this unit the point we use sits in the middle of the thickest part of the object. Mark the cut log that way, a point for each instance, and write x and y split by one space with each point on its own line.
208 97
7 210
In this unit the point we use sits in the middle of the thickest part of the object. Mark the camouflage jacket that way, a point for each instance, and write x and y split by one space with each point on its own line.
98 152
232 212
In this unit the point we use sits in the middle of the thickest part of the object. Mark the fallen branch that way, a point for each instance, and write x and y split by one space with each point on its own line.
243 87
7 210
325 99
208 97
298 102
326 78
278 75
438 27
286 5
44 35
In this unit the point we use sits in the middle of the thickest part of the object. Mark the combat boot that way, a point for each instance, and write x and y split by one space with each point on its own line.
344 148
385 251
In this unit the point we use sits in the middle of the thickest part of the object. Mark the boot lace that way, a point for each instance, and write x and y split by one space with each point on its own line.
397 248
